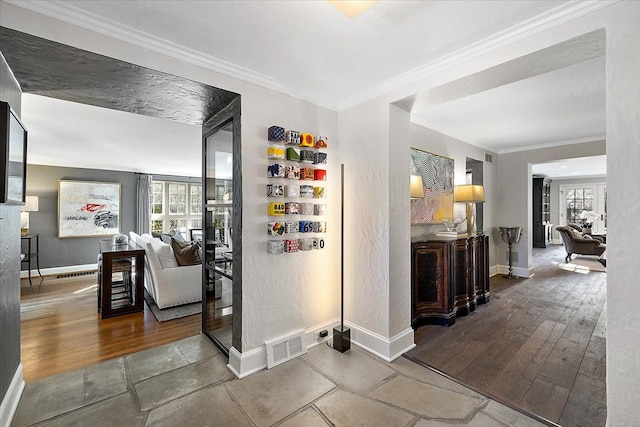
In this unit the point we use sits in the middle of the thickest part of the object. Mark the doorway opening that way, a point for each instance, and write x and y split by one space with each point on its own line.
43 67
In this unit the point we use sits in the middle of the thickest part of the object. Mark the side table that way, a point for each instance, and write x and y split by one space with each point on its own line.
121 279
32 253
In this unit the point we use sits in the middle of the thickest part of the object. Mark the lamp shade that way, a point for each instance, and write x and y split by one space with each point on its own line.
470 193
417 189
31 204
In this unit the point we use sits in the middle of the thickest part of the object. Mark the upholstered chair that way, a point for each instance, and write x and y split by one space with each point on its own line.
576 242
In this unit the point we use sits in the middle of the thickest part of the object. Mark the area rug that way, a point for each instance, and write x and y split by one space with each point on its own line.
172 313
584 265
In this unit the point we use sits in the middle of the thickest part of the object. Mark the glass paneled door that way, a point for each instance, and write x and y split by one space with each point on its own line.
584 204
221 281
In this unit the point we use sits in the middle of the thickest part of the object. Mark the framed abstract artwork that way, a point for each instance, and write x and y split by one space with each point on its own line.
87 208
437 180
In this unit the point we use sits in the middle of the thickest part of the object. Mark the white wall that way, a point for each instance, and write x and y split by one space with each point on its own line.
623 197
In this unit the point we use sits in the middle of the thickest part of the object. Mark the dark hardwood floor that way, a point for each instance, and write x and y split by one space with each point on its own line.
61 329
538 345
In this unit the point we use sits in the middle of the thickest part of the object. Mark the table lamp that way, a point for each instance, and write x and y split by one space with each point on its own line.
31 205
471 194
417 188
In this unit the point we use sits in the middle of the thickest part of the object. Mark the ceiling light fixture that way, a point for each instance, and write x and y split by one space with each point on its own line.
352 8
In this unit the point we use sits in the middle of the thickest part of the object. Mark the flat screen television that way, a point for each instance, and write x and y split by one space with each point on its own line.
13 157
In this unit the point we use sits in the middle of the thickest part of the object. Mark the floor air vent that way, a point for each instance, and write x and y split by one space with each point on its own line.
285 348
79 273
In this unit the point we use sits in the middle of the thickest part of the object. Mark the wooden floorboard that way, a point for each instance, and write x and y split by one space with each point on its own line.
61 329
538 345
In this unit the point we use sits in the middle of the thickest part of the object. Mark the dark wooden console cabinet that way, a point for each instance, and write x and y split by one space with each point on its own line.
450 277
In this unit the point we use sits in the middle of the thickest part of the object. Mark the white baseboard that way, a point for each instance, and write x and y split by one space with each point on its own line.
517 271
493 270
244 364
59 270
11 398
312 334
388 349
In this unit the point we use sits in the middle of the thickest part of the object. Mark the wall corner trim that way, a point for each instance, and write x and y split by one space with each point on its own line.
59 270
493 270
517 271
388 349
11 398
244 364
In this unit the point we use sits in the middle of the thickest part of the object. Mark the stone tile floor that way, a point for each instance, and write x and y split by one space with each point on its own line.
186 383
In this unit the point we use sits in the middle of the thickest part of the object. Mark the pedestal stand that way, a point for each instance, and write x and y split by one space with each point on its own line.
510 235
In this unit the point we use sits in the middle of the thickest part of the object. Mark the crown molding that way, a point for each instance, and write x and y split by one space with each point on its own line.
76 16
552 18
67 12
584 140
422 122
579 177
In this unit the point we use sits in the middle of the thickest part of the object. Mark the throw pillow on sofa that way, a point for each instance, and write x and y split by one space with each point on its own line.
186 254
162 250
165 253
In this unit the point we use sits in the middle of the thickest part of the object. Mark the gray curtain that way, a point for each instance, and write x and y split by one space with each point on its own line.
143 217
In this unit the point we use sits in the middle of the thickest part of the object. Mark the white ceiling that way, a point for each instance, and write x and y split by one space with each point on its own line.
563 105
63 133
583 167
310 50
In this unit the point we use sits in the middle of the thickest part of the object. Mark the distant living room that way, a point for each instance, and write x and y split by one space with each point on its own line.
100 165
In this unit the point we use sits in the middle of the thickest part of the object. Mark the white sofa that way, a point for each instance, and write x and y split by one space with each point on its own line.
168 283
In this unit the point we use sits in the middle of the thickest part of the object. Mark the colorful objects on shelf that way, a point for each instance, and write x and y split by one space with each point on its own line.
292 137
306 208
276 134
306 226
293 190
321 142
307 140
275 209
320 210
306 244
293 154
275 152
320 174
275 228
292 172
275 190
306 191
292 227
307 174
292 208
292 245
319 158
306 156
275 171
275 247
